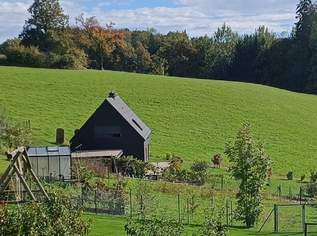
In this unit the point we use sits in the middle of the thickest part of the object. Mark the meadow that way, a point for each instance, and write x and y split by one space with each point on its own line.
189 117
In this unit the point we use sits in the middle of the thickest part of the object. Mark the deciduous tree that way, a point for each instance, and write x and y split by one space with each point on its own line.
249 165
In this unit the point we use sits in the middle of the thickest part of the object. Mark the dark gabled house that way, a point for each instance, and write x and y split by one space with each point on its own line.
114 126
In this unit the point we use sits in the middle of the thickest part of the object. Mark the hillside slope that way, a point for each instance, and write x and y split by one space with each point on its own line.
189 117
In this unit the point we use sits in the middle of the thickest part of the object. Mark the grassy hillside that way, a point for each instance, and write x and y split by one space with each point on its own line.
191 118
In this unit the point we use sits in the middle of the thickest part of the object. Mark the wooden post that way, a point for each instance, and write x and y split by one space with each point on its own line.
275 218
179 208
130 196
222 182
231 213
95 200
187 201
305 230
303 216
227 212
300 194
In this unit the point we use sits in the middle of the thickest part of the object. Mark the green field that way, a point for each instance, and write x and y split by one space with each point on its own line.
189 117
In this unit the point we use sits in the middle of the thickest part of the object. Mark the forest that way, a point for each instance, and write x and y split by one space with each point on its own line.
264 57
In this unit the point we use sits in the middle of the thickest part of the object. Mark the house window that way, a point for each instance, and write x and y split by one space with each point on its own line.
102 132
137 124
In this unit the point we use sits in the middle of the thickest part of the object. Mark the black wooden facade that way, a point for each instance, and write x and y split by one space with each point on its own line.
114 126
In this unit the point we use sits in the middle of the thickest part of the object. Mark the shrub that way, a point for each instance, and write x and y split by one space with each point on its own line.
74 58
199 166
213 225
302 178
290 175
19 55
153 227
311 189
313 176
59 216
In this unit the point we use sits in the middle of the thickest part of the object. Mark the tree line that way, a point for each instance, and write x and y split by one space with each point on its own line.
49 40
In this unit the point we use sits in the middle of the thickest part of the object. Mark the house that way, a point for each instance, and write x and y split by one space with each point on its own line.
114 126
51 162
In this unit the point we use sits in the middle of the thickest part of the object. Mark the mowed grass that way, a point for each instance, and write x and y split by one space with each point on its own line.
189 117
109 225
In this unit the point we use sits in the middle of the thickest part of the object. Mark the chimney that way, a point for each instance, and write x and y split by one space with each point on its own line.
112 94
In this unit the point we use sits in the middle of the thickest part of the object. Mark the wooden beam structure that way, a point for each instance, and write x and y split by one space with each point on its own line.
20 168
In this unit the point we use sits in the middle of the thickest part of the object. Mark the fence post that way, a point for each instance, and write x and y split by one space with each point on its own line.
227 212
275 218
179 208
187 202
300 194
95 200
231 211
130 196
305 230
222 182
303 216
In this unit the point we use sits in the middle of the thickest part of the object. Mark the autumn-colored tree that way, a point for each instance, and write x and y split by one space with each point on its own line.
101 41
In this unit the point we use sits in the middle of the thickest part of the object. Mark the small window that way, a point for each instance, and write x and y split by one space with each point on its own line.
137 124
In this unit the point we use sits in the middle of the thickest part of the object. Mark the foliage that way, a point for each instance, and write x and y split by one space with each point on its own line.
302 178
13 134
47 19
213 224
17 54
101 41
310 189
59 216
199 166
290 175
249 165
313 176
196 175
153 226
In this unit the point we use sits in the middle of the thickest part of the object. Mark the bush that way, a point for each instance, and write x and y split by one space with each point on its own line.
19 55
313 176
153 227
213 225
73 59
59 216
199 166
302 178
290 175
311 189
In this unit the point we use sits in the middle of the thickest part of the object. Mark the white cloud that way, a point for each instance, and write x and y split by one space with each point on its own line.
198 17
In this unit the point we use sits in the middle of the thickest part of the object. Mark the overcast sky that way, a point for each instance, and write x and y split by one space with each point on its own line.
198 17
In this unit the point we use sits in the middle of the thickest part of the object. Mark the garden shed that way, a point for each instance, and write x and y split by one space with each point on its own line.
51 162
114 126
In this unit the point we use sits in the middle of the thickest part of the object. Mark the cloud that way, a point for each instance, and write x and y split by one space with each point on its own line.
198 17
12 18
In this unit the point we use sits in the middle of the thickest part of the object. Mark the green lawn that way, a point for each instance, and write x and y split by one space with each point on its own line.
192 118
3 164
189 117
109 225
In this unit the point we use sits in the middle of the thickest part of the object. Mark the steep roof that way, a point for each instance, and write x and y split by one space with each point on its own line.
124 110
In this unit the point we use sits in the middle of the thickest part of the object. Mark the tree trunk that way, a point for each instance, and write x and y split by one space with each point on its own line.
101 63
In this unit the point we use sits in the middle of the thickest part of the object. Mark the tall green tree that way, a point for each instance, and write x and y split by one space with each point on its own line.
47 19
249 165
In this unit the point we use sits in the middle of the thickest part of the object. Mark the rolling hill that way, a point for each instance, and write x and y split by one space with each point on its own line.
189 117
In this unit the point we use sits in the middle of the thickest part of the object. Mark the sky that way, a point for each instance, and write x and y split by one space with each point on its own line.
197 17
